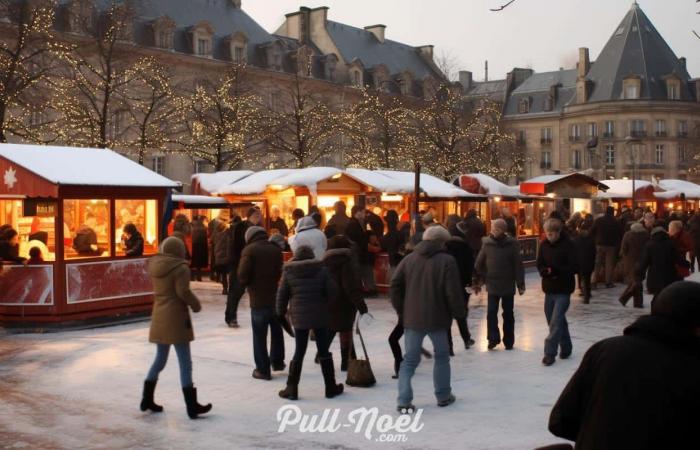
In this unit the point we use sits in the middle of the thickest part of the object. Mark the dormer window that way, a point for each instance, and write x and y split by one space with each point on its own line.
406 83
163 32
356 74
238 43
121 19
524 105
273 55
202 36
673 88
381 78
81 16
330 64
632 87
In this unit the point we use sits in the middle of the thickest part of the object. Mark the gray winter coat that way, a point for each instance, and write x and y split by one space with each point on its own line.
500 265
425 289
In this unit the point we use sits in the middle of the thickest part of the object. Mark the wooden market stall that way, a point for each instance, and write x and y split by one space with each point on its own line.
619 194
52 195
685 195
573 192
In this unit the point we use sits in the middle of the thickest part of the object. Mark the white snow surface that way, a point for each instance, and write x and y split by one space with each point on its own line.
213 182
430 185
254 184
494 187
82 166
198 199
691 190
620 188
380 182
308 177
81 389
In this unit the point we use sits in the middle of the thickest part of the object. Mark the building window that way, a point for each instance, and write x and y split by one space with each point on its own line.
37 118
546 160
610 155
631 89
159 165
88 227
609 129
549 103
673 90
659 154
165 39
238 55
357 78
520 137
682 129
660 128
682 155
592 129
203 47
143 214
576 160
524 106
638 128
546 135
575 133
116 125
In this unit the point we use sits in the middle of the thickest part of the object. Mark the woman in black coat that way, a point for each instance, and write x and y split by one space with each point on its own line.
460 249
9 246
133 240
343 307
585 252
200 248
659 263
305 290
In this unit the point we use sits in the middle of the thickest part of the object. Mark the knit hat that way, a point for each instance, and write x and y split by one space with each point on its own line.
306 223
657 230
304 252
173 246
436 233
279 241
252 231
680 302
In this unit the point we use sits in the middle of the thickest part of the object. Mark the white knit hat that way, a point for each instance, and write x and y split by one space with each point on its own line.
436 233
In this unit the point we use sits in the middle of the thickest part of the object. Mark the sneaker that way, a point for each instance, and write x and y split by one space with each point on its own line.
548 360
261 376
447 402
492 345
406 409
468 344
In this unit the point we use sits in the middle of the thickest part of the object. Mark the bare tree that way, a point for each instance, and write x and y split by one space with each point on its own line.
221 121
449 64
301 126
27 57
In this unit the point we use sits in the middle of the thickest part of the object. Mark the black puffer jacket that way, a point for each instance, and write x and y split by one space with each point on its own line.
343 306
462 253
606 231
585 251
557 264
659 262
638 391
305 289
500 266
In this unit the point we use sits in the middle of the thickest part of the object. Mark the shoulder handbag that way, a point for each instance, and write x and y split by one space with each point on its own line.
359 370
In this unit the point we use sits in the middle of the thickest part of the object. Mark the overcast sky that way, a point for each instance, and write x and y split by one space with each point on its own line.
541 34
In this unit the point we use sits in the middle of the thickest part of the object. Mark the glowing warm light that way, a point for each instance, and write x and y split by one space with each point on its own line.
276 187
551 195
497 199
336 176
392 198
327 201
670 205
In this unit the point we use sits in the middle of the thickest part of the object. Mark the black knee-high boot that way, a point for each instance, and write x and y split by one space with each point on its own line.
332 389
149 387
193 408
291 392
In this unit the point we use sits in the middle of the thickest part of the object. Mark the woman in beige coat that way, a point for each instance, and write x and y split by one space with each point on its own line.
171 323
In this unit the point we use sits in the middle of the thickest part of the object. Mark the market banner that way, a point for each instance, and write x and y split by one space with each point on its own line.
107 280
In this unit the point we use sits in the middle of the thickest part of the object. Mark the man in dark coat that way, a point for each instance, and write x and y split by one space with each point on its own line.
639 391
633 243
585 252
476 230
557 264
426 294
607 234
340 219
659 262
260 270
200 248
236 244
458 247
500 267
343 307
356 231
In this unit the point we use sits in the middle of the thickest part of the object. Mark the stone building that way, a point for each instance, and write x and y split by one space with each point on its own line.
634 109
201 39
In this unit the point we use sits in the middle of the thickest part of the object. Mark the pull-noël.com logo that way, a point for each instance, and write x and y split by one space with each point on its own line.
365 421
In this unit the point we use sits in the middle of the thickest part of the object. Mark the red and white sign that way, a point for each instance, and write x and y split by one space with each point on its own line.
30 285
107 280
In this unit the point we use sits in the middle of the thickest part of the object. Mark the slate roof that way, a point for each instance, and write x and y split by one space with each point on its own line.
536 88
636 48
493 90
358 43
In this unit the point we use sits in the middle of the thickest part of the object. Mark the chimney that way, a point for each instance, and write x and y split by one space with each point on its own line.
236 3
465 79
426 51
486 70
584 62
378 31
682 62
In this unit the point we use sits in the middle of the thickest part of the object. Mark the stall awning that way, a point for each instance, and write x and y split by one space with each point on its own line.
479 183
199 201
212 183
572 185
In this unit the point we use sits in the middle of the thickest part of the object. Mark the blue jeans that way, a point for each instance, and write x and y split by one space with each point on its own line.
262 319
183 357
493 334
555 307
413 340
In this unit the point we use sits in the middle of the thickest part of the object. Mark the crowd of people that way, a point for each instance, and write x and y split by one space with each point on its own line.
434 268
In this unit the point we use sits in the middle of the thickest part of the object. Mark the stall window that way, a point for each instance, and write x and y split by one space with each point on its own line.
143 215
86 228
34 221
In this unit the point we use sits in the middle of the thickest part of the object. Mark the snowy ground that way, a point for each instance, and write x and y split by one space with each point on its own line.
81 389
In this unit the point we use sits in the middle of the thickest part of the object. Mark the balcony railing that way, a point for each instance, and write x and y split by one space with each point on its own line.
608 135
660 134
575 138
638 133
546 141
682 134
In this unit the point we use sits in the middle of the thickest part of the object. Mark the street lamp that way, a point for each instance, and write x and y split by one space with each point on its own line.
631 144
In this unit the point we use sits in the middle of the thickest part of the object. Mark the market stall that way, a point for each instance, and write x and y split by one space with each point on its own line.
72 203
572 192
686 195
620 193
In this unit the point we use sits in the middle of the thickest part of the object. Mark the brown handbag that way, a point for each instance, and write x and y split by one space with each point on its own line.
359 370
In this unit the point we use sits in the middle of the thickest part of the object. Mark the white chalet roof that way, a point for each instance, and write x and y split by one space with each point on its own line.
621 188
213 182
430 185
691 190
493 187
82 166
199 200
253 184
